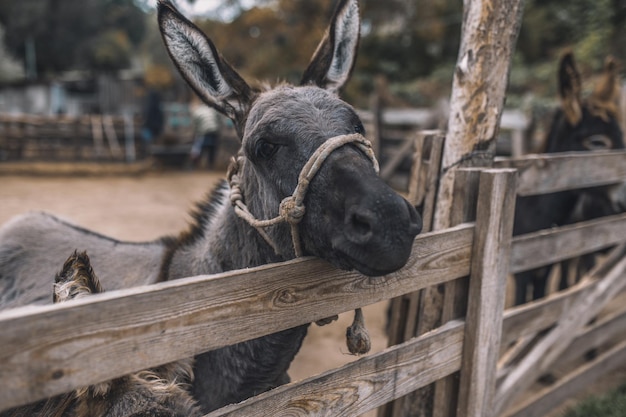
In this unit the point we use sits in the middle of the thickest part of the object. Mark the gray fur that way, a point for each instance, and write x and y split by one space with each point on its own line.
34 245
156 392
353 219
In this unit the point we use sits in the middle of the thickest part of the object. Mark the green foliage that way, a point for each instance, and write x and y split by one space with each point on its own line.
73 34
413 43
612 404
271 42
110 50
590 27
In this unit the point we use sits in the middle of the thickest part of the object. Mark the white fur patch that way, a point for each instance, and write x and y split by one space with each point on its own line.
346 38
195 58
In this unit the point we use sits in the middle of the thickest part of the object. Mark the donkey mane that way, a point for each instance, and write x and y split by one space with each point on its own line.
202 214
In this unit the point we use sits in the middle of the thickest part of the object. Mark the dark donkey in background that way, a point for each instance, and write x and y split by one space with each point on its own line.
577 126
349 217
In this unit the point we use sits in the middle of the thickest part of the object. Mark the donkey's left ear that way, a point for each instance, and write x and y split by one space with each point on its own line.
570 89
332 62
202 66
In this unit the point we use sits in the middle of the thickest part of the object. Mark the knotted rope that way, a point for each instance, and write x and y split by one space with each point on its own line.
291 210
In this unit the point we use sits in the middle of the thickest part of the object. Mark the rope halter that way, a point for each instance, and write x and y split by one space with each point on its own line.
292 210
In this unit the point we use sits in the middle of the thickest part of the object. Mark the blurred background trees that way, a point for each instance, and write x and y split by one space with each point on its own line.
99 35
413 43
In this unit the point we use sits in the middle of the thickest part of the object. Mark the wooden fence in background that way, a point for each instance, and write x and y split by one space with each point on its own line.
551 335
60 138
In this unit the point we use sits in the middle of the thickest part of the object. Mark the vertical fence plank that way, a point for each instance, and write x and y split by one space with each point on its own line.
406 309
489 34
489 268
417 183
436 139
455 295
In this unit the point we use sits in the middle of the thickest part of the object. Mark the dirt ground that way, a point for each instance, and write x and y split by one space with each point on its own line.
149 205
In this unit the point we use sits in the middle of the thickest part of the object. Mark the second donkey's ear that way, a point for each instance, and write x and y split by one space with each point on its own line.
332 62
606 93
201 65
570 89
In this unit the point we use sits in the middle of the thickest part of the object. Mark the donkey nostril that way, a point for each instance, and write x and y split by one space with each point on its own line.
360 224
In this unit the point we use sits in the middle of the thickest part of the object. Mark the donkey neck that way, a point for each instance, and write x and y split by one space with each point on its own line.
221 241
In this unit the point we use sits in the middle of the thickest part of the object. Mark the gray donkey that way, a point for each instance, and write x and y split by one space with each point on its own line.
348 215
156 392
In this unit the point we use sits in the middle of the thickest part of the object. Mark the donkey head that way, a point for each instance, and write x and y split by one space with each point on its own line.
586 125
352 218
591 125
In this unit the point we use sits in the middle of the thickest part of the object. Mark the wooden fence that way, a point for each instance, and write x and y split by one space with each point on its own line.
546 335
42 356
88 137
117 138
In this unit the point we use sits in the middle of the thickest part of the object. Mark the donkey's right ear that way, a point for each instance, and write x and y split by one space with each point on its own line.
333 61
197 59
570 89
606 93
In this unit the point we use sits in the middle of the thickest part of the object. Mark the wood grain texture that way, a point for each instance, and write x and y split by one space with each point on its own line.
455 293
595 335
364 384
528 320
541 403
540 174
548 246
490 30
48 350
487 289
418 177
545 315
555 342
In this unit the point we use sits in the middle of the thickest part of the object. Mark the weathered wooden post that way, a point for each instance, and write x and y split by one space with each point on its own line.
490 29
489 33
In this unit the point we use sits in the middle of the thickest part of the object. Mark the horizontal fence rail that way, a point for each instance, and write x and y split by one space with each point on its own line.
42 355
530 328
545 401
531 318
607 329
365 384
548 246
547 173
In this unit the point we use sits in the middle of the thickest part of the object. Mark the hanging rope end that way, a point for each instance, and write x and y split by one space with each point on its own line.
357 336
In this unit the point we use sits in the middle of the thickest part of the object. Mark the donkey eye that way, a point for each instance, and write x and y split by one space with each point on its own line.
264 149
